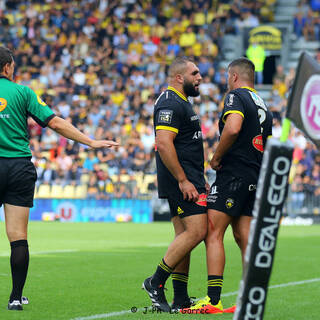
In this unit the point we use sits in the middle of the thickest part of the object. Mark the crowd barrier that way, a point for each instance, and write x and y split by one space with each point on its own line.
91 210
142 211
302 203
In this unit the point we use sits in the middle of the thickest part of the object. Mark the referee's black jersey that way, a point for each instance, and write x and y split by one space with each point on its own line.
247 150
173 112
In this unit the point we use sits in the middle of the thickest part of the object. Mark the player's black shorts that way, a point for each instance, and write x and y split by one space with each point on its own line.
17 181
233 195
183 208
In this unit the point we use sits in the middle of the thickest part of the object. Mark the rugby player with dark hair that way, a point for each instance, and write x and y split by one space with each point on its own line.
244 125
17 172
180 173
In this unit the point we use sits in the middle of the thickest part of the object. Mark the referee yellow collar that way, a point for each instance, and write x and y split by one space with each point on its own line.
249 88
178 93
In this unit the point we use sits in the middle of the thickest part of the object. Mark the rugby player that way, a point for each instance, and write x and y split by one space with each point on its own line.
244 126
180 173
17 172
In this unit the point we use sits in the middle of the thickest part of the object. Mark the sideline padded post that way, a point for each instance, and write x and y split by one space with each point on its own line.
271 195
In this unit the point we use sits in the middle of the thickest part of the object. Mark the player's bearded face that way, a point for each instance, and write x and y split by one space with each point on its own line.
190 89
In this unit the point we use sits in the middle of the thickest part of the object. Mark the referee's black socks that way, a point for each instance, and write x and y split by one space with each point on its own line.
214 288
19 262
180 287
162 274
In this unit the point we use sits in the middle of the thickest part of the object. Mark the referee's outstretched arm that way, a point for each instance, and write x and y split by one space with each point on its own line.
67 130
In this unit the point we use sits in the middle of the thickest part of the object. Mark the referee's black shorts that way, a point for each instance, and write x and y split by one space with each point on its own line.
17 181
233 194
183 208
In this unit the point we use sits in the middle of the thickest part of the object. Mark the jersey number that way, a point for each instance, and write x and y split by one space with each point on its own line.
262 117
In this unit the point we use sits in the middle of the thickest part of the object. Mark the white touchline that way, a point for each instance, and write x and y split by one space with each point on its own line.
119 313
7 254
54 251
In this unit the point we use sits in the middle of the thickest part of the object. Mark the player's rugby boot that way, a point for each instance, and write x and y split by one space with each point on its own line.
156 295
185 304
15 305
230 310
24 300
204 306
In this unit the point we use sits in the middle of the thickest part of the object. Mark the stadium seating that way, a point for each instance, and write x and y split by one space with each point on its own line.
69 192
57 192
44 191
81 192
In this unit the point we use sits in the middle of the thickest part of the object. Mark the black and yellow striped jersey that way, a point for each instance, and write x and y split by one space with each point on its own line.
247 150
173 112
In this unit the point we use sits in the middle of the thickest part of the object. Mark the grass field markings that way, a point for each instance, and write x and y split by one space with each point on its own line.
54 251
151 245
119 313
107 315
282 285
296 283
7 254
228 294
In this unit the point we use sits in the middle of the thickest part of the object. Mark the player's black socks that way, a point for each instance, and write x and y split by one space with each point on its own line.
180 287
19 262
162 274
214 288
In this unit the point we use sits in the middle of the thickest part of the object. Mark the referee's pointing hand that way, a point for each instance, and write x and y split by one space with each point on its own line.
96 144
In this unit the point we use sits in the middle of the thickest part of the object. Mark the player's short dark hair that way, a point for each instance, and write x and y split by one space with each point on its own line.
178 66
6 57
245 66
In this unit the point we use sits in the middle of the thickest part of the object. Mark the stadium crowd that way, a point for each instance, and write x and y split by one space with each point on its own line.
101 64
307 20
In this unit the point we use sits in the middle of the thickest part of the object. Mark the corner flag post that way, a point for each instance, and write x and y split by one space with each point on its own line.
286 126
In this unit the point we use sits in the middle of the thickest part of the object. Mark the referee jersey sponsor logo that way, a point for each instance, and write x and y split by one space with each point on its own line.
3 104
41 101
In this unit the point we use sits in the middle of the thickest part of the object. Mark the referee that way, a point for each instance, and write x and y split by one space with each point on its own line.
17 172
180 173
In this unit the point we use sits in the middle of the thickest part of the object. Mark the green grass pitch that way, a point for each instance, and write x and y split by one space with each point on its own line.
91 269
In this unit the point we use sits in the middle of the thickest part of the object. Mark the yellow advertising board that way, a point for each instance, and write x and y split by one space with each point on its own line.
269 37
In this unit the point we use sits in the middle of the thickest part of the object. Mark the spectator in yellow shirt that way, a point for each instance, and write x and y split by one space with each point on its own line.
188 38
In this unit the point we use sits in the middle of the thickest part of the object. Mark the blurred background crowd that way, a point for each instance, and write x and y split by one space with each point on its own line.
101 65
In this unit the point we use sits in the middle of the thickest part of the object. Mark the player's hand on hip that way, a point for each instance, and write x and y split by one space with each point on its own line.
215 163
96 144
189 191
